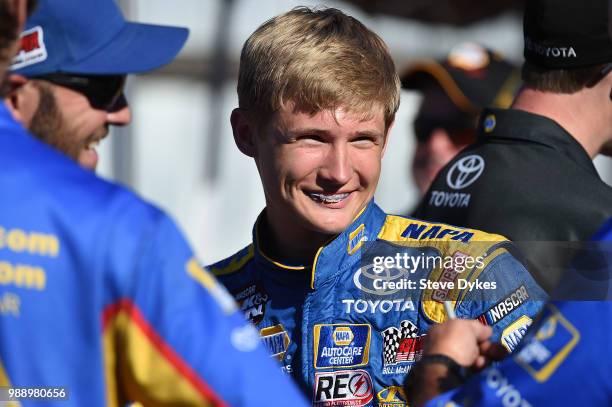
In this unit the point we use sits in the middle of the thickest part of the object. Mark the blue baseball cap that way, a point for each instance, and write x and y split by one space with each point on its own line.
92 37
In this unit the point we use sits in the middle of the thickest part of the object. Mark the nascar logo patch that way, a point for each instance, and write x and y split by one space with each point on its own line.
503 308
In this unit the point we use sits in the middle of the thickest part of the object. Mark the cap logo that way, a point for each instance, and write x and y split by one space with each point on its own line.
555 52
32 49
468 56
489 123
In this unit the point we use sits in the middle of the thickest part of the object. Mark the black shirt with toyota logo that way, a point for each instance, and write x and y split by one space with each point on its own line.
527 179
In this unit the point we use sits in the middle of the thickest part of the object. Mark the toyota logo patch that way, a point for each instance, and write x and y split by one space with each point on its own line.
465 171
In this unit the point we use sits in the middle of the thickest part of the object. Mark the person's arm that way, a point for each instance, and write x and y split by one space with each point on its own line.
507 299
175 337
452 350
563 360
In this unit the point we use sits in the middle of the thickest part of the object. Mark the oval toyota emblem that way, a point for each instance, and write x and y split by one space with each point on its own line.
465 171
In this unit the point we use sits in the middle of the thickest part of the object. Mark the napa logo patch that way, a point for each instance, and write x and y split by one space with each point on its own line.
32 49
275 340
551 345
356 239
512 335
341 345
425 231
343 335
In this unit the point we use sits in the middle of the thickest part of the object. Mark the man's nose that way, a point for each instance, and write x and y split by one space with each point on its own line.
439 140
119 117
337 168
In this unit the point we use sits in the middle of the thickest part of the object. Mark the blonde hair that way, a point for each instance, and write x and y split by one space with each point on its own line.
316 59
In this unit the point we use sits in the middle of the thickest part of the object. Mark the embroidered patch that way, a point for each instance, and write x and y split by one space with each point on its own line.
401 346
32 49
343 388
276 340
252 301
341 345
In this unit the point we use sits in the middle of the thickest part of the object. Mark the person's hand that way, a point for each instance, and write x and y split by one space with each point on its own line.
465 341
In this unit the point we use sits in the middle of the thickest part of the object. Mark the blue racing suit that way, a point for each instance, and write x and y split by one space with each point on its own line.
349 327
101 301
563 361
565 358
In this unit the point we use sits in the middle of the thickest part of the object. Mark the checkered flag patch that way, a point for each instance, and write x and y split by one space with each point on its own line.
392 338
409 330
391 341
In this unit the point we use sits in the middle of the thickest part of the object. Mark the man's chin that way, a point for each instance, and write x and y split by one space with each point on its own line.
88 159
330 227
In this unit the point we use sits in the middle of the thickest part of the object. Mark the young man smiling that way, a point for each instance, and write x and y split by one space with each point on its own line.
318 93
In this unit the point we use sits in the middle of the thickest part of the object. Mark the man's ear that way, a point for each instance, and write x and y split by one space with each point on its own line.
244 134
16 101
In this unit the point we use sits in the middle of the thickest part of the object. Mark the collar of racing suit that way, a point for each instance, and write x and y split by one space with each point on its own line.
341 252
504 125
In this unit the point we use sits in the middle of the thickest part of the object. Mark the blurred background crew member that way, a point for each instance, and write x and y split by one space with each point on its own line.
454 91
531 176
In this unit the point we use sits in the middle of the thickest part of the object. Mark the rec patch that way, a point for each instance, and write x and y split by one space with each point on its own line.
392 396
341 345
32 48
551 345
252 301
400 346
512 335
503 308
275 340
343 388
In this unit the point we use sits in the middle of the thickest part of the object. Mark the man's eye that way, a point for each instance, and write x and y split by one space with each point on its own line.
311 138
364 140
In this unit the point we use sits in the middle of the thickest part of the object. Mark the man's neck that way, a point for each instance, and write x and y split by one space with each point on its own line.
578 113
289 245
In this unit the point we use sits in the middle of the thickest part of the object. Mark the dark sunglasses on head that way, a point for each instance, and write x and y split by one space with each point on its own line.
104 92
460 130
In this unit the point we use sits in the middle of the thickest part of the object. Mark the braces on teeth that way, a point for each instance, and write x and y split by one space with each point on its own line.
329 198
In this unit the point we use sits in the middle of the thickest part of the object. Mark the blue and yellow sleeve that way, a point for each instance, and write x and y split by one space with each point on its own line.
564 360
176 338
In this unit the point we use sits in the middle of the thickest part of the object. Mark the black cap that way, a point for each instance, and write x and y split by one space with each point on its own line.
565 34
472 76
